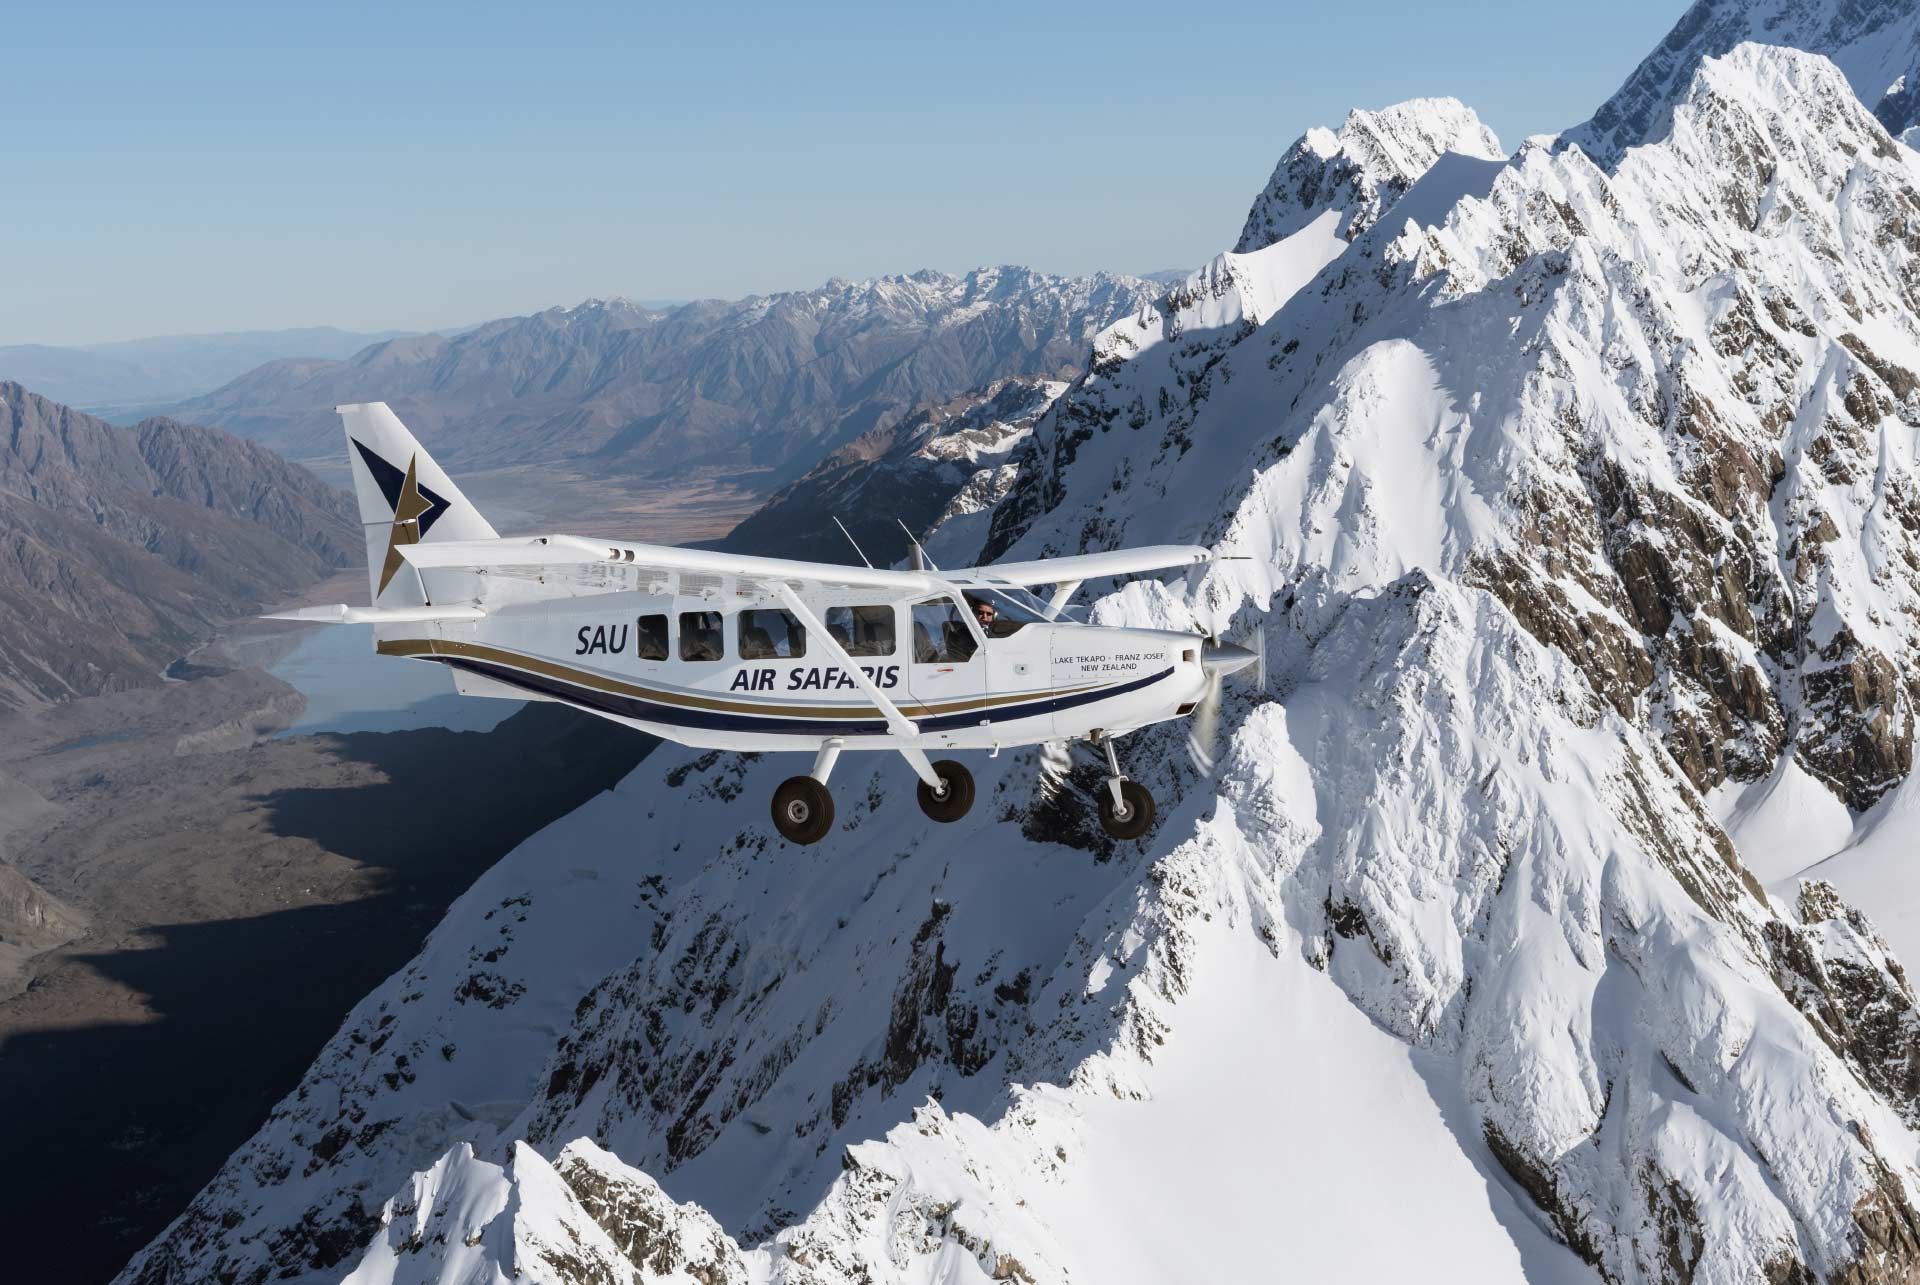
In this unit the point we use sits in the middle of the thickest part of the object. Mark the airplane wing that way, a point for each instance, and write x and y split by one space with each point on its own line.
1091 566
564 551
340 613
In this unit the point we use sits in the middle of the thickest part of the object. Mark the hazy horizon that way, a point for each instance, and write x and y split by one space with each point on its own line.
212 169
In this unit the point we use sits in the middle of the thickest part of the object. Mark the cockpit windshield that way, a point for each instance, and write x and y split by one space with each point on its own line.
1007 609
1031 606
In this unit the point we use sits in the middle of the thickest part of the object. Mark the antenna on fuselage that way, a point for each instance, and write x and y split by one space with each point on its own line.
921 562
850 540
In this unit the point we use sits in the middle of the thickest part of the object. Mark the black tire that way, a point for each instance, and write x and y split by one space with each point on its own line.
1132 822
959 797
802 810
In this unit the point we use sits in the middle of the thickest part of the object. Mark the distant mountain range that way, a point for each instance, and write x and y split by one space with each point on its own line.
148 372
122 548
768 383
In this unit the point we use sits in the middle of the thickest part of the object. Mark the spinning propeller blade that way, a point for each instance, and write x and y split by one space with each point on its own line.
1055 764
1203 729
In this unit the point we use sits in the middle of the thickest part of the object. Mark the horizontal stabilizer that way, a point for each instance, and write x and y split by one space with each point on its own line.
339 613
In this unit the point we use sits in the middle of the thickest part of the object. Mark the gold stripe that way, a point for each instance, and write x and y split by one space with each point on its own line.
441 647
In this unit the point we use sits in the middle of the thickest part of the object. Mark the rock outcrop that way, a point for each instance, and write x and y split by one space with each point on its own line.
898 482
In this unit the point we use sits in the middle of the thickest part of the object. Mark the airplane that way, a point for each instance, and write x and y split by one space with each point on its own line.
723 651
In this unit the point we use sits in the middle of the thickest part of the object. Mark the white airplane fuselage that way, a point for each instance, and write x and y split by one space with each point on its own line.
734 652
1044 681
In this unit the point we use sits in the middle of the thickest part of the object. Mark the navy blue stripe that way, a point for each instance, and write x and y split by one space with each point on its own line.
716 720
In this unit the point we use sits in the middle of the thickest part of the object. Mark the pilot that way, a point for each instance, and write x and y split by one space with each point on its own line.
990 623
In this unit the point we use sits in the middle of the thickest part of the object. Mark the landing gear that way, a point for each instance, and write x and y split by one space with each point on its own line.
802 810
954 797
1129 817
802 806
1126 808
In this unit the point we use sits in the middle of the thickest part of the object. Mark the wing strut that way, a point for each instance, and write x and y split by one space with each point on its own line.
897 723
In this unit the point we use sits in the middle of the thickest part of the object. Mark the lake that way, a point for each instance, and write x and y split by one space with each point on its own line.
350 689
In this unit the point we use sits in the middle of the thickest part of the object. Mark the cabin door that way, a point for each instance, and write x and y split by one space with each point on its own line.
946 668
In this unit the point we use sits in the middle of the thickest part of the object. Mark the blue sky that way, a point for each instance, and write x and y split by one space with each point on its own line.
194 167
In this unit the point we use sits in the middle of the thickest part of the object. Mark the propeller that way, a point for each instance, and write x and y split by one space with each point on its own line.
1055 764
1203 726
1203 729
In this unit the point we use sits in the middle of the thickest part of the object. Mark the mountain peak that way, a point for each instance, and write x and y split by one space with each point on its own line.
607 303
1363 168
1875 44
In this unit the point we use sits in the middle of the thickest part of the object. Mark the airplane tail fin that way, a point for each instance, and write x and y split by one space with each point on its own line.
405 498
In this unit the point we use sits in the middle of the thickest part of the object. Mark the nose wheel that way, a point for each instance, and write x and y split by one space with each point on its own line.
1126 806
1129 816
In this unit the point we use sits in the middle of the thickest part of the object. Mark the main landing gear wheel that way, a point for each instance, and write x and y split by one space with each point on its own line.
957 795
802 810
1131 817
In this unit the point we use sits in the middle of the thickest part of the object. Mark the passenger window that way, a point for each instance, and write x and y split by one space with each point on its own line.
940 634
650 638
700 637
771 635
862 631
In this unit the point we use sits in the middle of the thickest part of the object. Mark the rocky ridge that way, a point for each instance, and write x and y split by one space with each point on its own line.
1361 169
121 549
929 469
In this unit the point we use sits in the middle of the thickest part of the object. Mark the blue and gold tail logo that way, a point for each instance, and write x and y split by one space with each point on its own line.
415 508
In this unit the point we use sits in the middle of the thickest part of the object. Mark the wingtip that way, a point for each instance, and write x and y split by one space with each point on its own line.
331 612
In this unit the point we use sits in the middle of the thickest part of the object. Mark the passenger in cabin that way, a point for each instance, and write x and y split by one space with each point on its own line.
700 637
771 635
756 643
650 638
940 634
862 631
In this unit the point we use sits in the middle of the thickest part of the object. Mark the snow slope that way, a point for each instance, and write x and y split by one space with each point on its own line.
1573 500
1784 822
1878 865
1310 1058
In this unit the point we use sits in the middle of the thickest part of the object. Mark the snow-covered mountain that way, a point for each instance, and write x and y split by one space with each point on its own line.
1581 506
1362 169
1875 43
770 381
